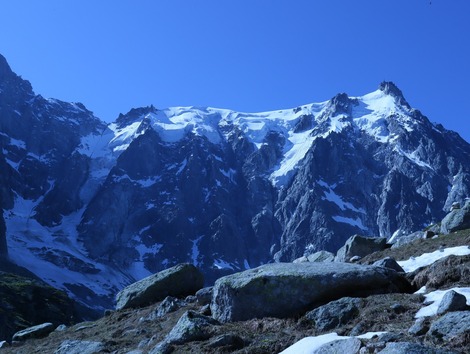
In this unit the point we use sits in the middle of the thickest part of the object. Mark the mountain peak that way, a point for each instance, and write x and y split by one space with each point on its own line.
389 88
5 70
340 103
134 114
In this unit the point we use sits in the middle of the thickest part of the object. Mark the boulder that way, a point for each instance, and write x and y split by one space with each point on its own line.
404 239
334 314
343 346
411 348
204 296
457 219
360 246
39 331
449 271
289 289
180 280
79 347
452 301
190 327
389 262
419 328
321 256
169 304
450 326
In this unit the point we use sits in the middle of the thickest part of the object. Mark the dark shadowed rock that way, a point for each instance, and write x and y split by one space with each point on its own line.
190 327
169 304
450 270
360 246
411 348
389 262
288 289
38 331
452 301
334 314
420 327
450 326
180 280
231 341
79 347
204 296
457 219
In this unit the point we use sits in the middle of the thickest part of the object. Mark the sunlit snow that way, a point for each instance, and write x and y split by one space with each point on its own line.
426 259
435 298
309 345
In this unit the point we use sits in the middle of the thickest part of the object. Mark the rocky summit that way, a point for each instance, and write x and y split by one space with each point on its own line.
91 207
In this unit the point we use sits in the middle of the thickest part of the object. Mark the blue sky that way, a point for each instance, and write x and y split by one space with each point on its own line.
247 55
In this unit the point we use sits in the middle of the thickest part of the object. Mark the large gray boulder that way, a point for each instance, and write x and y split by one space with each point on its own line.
180 280
389 262
38 331
452 301
344 346
457 219
450 326
404 239
360 246
288 289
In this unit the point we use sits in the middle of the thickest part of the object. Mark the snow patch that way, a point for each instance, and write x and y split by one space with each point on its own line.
309 345
331 196
435 298
354 222
426 259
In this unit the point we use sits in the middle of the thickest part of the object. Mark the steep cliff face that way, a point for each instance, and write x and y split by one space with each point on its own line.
90 207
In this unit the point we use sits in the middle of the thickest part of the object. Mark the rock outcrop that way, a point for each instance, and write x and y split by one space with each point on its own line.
457 219
180 280
38 331
286 289
25 302
360 246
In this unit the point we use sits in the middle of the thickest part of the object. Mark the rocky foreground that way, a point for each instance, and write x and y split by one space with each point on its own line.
362 302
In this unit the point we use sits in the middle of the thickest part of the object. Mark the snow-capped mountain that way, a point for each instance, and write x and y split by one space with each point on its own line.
90 207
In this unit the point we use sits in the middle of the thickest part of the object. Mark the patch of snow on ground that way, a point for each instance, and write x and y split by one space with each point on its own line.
426 259
435 297
309 345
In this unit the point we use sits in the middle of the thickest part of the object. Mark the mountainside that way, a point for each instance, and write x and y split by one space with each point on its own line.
91 207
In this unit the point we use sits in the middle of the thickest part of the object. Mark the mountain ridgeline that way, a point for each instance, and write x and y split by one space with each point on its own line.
90 207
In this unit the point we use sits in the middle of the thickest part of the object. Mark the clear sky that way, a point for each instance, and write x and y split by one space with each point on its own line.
246 55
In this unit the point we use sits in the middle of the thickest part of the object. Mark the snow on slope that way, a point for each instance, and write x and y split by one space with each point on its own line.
33 246
369 115
426 259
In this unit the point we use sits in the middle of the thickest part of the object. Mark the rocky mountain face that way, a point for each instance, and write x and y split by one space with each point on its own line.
91 207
